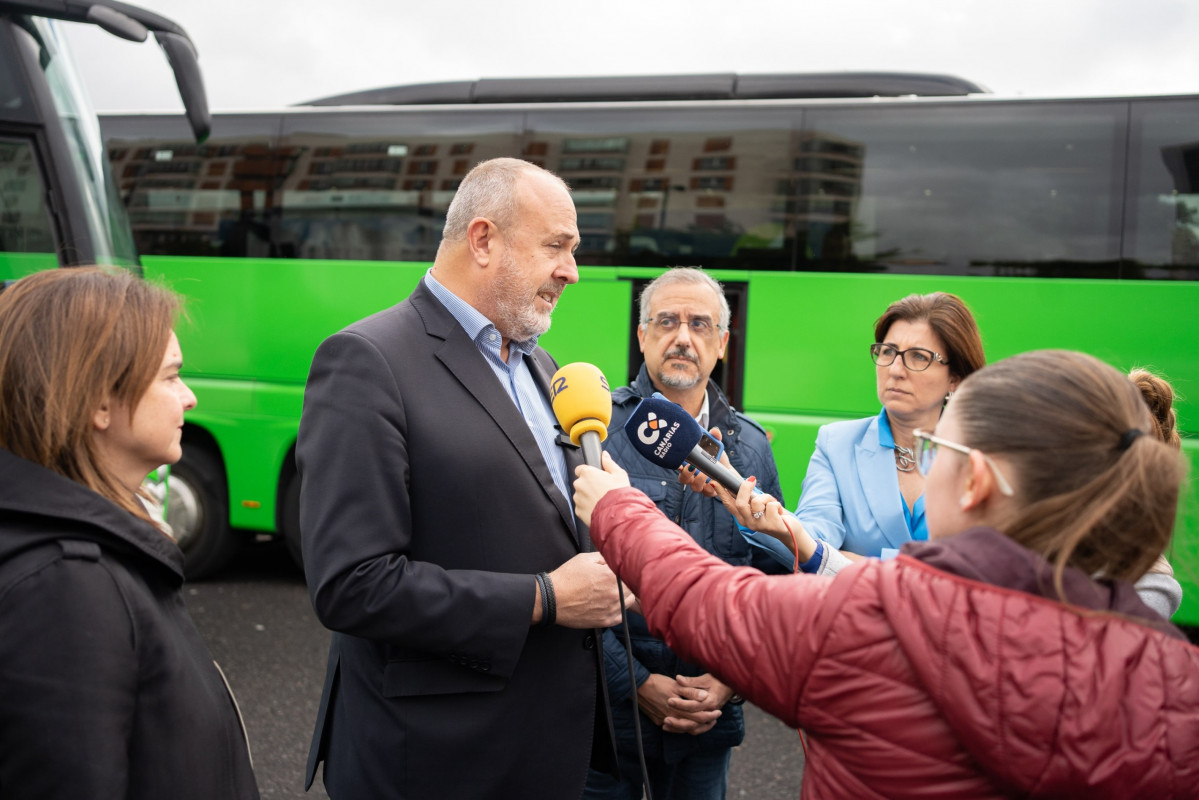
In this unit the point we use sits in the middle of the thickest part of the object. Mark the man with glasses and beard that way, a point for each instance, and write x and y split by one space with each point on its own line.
439 540
690 721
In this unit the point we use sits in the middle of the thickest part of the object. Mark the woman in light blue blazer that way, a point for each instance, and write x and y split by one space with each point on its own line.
862 494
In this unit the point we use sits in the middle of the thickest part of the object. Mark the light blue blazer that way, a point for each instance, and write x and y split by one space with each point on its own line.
851 498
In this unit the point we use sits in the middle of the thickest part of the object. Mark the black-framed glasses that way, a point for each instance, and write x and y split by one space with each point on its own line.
669 323
926 451
917 359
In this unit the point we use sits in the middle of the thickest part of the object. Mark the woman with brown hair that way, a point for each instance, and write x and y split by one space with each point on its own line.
862 494
106 688
988 661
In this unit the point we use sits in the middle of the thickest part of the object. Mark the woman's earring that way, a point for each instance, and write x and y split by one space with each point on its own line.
949 395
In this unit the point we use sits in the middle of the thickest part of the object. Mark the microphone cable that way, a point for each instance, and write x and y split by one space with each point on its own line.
628 652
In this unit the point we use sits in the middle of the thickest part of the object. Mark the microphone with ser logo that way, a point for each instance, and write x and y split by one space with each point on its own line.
582 403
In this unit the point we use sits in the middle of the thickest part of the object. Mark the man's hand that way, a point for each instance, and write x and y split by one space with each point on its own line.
662 699
700 699
585 593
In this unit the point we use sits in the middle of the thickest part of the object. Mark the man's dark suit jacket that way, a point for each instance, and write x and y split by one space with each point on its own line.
426 509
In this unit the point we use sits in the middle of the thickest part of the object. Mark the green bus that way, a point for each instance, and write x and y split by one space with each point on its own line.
817 199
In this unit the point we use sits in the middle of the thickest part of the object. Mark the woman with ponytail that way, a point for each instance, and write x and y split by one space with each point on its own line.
1158 587
989 661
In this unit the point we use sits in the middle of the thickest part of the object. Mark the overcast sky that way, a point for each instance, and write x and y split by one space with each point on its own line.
270 53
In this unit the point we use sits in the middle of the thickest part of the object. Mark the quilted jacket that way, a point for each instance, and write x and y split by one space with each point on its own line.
950 671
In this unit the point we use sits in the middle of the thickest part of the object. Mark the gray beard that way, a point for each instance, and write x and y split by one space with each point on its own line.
677 380
516 318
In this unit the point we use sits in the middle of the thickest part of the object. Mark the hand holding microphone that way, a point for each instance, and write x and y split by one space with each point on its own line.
582 403
587 594
665 434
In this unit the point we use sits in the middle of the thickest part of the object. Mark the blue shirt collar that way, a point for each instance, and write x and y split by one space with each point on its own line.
477 326
885 437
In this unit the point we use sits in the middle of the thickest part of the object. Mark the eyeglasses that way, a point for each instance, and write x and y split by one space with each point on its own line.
917 359
926 451
699 326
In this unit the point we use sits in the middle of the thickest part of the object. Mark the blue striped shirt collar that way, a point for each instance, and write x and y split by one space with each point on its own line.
474 322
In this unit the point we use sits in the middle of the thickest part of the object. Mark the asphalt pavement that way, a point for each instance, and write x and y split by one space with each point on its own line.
260 627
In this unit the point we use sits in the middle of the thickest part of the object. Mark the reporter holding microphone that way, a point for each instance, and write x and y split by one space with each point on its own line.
986 662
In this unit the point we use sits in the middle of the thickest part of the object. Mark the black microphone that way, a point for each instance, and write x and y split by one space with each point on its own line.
662 432
582 403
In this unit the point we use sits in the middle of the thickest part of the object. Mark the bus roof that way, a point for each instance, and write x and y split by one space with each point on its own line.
723 86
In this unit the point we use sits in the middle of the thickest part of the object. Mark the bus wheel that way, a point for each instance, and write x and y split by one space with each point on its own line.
289 520
198 512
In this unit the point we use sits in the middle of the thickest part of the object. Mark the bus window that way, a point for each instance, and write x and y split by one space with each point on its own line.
1163 196
366 187
1005 189
214 199
25 225
671 188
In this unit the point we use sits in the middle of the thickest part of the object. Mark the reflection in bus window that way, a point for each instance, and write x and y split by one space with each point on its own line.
25 225
1164 190
208 200
1006 190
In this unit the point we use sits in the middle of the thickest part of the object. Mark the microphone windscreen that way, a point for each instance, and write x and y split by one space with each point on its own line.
581 400
662 432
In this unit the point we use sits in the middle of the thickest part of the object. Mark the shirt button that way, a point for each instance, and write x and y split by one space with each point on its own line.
589 642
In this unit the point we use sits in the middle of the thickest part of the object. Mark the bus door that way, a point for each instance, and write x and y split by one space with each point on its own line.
34 212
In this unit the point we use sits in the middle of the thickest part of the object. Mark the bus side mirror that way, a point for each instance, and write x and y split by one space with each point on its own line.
185 65
116 23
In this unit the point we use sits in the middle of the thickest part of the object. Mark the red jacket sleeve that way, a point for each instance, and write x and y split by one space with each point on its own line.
759 633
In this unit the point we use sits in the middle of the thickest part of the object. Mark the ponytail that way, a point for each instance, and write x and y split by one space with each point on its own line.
1097 493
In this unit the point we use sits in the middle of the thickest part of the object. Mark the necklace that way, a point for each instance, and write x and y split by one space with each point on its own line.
905 459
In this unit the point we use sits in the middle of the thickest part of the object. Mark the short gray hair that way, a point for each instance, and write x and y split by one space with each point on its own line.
488 190
692 275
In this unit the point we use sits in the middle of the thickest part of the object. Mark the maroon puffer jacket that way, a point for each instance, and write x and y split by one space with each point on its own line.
911 681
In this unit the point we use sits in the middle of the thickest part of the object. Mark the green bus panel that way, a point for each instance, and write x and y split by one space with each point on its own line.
253 425
806 357
18 265
227 340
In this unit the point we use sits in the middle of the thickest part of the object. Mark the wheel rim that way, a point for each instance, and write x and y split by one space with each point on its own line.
185 515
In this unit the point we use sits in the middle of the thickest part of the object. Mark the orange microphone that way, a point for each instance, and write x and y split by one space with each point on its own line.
582 403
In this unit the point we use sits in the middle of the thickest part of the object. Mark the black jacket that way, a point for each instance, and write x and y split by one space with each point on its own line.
106 688
426 510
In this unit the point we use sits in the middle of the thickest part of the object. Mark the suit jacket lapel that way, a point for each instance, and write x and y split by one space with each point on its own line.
876 471
462 357
542 367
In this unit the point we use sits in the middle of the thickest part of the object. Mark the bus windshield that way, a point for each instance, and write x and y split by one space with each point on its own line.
104 214
60 202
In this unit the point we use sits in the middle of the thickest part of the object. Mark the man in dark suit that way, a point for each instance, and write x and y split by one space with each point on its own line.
439 542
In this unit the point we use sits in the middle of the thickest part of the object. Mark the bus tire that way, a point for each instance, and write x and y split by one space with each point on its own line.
289 520
198 512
